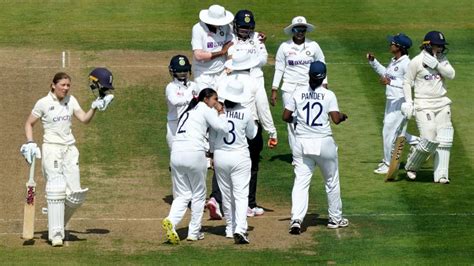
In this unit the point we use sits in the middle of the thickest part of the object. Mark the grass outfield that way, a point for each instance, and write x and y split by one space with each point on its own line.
391 223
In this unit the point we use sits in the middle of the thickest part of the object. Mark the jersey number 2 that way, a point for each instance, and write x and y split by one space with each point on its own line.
308 112
180 130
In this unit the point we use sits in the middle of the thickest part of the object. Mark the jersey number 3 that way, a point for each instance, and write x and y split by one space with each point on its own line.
308 113
232 132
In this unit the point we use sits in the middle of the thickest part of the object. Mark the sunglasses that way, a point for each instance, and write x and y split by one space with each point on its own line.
298 30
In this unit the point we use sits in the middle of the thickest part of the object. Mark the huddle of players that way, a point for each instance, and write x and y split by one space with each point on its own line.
227 104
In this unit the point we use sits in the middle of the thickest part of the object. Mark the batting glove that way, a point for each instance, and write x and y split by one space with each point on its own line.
29 150
107 100
430 61
407 110
97 103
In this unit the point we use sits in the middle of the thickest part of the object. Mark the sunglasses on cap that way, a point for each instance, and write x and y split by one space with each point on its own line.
298 30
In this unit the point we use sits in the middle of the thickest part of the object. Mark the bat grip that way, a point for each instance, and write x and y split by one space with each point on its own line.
31 180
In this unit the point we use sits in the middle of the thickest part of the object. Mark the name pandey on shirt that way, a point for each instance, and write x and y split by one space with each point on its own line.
312 96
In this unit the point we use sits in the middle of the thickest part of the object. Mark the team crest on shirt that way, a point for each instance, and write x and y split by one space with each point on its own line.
396 69
51 108
251 42
308 53
221 33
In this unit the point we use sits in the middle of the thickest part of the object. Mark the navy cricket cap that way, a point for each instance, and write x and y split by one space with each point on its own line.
179 63
317 69
103 76
435 37
244 18
401 40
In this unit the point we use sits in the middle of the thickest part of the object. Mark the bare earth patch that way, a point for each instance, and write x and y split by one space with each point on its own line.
129 221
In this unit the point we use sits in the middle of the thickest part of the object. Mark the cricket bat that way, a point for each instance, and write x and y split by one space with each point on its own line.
29 210
397 151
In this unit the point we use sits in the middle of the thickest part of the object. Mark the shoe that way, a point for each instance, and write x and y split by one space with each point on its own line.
411 175
333 224
214 210
382 169
171 234
380 163
57 241
444 180
250 212
200 236
258 211
295 227
241 239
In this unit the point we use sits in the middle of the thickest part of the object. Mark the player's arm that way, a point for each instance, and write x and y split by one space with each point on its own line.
174 98
287 116
263 112
278 75
84 117
337 117
218 120
375 64
408 80
446 70
319 56
262 53
333 108
202 55
251 129
29 124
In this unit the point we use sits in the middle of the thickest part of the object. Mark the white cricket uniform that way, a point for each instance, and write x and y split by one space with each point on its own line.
393 117
292 63
254 47
232 166
432 106
258 102
314 145
178 96
206 72
188 163
60 158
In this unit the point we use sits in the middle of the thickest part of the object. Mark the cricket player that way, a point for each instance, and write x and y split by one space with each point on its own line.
211 38
232 162
427 73
188 162
239 68
392 78
60 162
315 146
292 63
179 93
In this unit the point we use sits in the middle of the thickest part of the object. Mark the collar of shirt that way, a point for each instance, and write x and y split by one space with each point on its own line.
63 101
403 57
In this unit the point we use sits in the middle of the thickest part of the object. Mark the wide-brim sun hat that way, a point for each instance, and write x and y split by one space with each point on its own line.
216 15
241 60
234 92
298 21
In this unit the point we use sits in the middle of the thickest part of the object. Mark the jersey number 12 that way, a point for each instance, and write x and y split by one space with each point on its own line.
309 107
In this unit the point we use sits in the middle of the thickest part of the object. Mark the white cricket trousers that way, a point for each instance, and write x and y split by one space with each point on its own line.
391 123
232 170
286 97
206 80
188 170
304 165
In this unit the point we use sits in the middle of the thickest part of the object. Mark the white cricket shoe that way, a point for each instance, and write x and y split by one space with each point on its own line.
250 212
256 211
57 241
333 224
200 236
382 170
241 239
214 210
295 227
443 180
411 175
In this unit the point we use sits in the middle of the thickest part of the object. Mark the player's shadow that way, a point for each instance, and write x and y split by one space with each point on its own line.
311 219
72 235
282 157
168 199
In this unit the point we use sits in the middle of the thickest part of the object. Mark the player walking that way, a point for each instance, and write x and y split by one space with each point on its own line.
179 93
292 63
314 145
232 162
60 156
427 73
188 162
211 37
392 78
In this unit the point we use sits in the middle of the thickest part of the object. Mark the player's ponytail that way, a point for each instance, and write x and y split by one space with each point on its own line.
205 93
229 104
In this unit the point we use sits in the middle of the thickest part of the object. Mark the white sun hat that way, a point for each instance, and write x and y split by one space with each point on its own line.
234 92
216 15
241 60
298 21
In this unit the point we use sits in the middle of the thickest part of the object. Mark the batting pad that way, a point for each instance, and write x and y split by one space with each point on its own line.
420 153
74 201
441 158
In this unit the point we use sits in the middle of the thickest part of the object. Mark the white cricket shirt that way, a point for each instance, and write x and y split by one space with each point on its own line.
56 117
254 47
395 71
312 111
178 96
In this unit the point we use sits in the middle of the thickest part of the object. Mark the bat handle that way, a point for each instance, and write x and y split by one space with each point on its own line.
31 180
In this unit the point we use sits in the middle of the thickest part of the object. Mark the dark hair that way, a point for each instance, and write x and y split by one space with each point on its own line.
403 50
229 104
59 76
205 93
